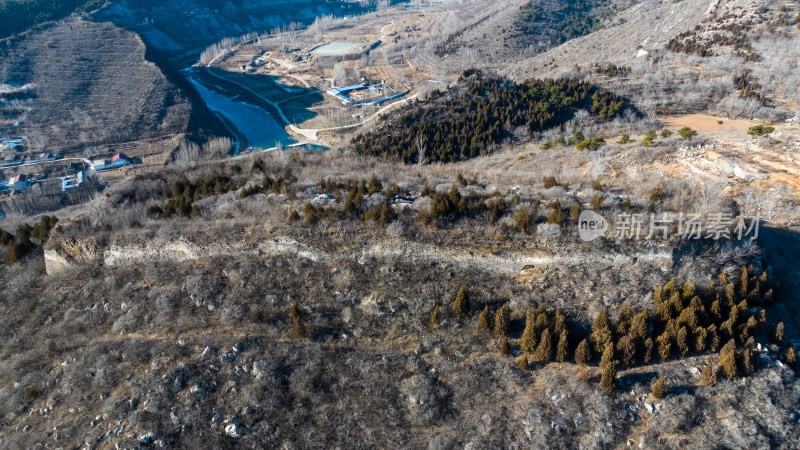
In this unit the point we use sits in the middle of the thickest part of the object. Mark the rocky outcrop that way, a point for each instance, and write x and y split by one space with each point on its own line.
61 256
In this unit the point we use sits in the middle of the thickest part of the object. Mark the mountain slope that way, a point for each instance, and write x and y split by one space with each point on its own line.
90 84
686 57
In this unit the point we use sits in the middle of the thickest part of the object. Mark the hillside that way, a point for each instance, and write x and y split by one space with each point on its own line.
195 313
184 29
512 30
534 224
19 15
727 38
91 84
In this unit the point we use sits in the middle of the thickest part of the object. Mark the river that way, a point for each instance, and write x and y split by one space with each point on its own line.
260 129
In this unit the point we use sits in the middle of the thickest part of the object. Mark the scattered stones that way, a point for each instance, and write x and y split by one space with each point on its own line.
233 430
146 438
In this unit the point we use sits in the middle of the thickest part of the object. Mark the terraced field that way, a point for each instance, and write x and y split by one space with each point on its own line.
92 85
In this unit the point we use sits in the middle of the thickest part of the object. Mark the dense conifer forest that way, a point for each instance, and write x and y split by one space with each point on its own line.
480 111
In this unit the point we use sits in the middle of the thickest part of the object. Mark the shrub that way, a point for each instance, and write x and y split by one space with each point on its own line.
550 182
625 139
656 195
665 133
649 138
523 219
576 138
687 133
154 211
761 130
591 144
556 215
598 185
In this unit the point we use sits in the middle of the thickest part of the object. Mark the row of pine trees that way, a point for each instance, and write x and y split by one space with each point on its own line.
684 322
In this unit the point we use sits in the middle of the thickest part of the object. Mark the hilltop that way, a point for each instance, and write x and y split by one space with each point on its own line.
537 224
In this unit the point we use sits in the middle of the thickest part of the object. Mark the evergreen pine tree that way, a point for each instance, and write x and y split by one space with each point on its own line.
541 322
683 341
639 325
790 359
608 355
648 350
461 304
505 347
601 331
664 345
658 389
562 350
528 343
11 253
544 352
298 327
484 320
716 311
713 338
700 339
711 291
777 336
688 291
627 349
608 381
625 317
709 375
744 282
583 354
523 362
502 320
747 357
560 323
434 320
727 359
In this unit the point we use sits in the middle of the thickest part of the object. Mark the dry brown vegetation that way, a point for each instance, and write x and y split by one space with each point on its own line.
181 328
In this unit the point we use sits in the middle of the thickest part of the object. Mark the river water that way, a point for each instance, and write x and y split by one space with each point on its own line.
258 126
